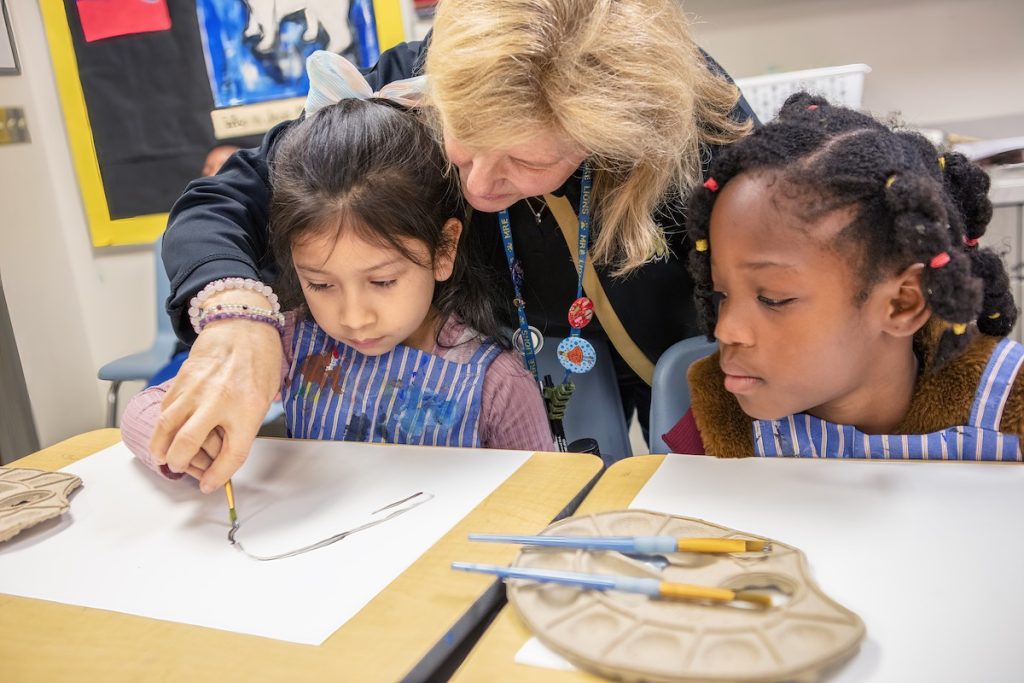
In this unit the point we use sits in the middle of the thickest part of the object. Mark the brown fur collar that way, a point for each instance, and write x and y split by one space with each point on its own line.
941 399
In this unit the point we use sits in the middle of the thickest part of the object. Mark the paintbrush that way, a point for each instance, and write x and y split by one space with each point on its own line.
633 544
654 588
230 493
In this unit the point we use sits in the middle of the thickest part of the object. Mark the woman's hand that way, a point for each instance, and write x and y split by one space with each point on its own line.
219 398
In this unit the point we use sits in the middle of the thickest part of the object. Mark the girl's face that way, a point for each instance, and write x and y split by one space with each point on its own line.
495 179
368 295
793 337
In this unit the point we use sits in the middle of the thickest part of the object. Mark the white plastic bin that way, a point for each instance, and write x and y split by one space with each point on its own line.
843 85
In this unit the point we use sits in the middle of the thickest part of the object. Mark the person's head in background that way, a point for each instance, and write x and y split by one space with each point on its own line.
366 225
525 90
216 158
825 245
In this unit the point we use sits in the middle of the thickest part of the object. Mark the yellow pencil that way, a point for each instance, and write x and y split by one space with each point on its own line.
230 493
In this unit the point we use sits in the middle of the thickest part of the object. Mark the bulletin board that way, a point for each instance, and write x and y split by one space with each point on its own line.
145 98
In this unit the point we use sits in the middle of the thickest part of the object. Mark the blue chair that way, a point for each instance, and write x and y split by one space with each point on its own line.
144 364
595 409
670 392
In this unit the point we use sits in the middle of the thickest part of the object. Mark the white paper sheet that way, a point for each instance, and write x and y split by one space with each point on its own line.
930 555
535 653
135 543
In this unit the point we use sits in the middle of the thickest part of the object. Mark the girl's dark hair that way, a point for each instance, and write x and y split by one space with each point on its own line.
910 205
373 167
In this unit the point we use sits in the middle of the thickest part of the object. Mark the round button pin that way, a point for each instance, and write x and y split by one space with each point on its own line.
576 355
581 312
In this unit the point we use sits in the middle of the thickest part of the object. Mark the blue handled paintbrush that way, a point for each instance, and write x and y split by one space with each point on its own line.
633 544
654 588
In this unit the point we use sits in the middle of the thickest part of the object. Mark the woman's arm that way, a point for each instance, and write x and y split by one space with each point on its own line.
218 227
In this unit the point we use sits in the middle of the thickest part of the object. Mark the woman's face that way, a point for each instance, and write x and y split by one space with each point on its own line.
495 179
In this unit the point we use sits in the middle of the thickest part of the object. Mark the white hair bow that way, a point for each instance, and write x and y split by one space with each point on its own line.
333 78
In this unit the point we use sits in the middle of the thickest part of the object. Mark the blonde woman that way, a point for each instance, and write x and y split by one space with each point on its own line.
533 99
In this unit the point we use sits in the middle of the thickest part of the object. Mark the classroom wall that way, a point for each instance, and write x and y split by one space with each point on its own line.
937 61
73 307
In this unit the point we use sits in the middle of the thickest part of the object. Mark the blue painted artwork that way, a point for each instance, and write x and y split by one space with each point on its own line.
256 49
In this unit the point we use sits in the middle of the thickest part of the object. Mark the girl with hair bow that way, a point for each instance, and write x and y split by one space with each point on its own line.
390 331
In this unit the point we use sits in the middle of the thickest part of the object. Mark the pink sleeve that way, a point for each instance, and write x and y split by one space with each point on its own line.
512 410
138 423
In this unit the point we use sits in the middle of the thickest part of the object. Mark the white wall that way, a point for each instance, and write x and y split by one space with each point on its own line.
72 308
935 60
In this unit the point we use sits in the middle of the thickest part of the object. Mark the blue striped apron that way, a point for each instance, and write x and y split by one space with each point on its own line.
808 437
407 396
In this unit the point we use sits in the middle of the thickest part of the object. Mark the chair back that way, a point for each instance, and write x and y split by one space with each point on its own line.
595 409
670 391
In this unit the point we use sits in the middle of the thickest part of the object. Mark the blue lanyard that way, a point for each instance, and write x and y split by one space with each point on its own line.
583 241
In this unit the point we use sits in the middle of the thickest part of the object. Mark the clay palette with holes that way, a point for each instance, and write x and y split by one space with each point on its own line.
28 497
631 637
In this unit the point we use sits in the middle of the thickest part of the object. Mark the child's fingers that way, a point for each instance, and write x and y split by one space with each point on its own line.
189 439
199 465
213 442
236 442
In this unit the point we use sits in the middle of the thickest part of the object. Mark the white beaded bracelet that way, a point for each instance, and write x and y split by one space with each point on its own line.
195 310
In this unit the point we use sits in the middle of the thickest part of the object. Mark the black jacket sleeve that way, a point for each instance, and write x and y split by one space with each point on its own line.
218 227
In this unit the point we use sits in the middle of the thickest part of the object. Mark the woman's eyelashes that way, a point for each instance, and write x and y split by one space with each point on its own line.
384 284
316 286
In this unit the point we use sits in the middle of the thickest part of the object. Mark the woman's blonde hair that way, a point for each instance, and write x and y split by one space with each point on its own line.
622 79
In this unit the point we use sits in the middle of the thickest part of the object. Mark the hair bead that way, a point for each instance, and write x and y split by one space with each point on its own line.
811 107
994 316
942 162
889 181
940 260
959 328
711 184
701 245
970 241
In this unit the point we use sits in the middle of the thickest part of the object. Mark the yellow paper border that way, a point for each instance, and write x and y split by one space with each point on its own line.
106 231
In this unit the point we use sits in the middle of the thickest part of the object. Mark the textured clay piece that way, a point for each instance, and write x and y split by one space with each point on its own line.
28 497
630 637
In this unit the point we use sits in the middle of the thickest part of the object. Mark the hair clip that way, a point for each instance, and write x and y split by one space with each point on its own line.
959 328
940 260
811 107
970 241
890 181
942 162
701 245
711 184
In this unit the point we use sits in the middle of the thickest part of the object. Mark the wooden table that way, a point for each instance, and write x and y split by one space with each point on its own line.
407 631
492 659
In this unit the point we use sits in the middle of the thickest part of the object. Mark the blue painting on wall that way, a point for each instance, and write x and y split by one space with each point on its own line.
256 49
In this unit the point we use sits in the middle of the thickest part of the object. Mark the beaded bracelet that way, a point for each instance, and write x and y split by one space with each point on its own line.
259 315
196 304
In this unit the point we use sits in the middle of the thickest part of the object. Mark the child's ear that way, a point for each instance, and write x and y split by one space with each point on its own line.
444 260
907 309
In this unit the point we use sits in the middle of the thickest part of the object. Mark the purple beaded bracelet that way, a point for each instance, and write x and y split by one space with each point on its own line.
196 311
276 321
